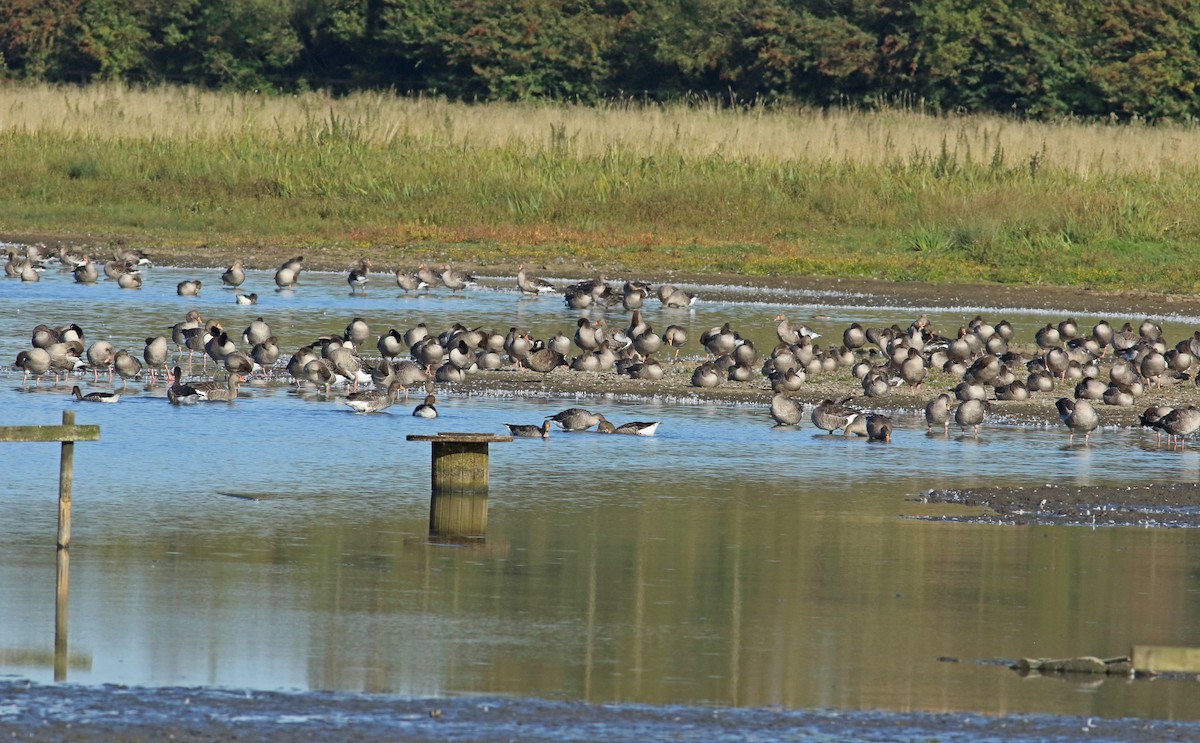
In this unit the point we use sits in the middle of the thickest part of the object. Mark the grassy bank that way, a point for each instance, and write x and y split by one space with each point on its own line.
895 195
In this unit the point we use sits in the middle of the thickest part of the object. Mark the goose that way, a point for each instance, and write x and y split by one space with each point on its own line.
706 375
188 288
408 281
871 426
359 275
86 272
543 360
133 257
12 267
585 335
830 415
64 358
576 419
116 267
674 297
100 356
415 334
913 370
971 413
526 431
785 411
1152 417
129 280
1077 415
937 412
789 335
391 344
240 298
633 428
320 372
127 366
532 284
373 401
296 364
181 393
427 408
35 361
29 272
241 363
456 280
256 332
95 396
288 274
675 336
217 392
1180 422
235 275
155 355
357 332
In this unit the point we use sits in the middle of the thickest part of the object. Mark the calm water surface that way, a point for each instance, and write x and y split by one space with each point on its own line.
281 542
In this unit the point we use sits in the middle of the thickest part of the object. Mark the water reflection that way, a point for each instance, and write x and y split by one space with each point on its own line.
282 542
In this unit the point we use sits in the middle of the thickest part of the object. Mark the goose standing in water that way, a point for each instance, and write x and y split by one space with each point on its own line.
456 280
937 412
1077 415
373 401
155 354
288 274
830 415
408 281
532 284
217 392
35 361
521 430
182 393
970 414
785 410
1179 423
235 275
95 396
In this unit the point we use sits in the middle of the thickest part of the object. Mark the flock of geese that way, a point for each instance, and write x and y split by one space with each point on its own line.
988 363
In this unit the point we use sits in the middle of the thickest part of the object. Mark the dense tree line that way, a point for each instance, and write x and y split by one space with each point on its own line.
1043 58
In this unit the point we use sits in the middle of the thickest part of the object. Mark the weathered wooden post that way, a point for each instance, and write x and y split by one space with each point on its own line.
60 614
459 476
68 433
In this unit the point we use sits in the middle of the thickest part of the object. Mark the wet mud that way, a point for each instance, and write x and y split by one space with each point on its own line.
1175 504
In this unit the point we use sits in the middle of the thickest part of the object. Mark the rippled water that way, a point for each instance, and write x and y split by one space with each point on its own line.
281 542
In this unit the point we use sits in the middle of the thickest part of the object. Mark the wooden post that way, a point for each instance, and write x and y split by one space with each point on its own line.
459 479
68 433
60 614
66 474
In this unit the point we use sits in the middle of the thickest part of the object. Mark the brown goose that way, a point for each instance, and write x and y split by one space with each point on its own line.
830 415
1180 422
86 272
127 366
35 361
155 355
576 419
373 401
100 357
785 411
288 274
1077 415
937 412
188 288
633 428
456 280
971 413
675 336
522 430
235 275
216 392
532 284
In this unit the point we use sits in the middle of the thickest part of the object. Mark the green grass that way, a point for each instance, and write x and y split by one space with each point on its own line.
359 175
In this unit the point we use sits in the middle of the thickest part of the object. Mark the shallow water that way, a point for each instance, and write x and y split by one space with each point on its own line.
281 542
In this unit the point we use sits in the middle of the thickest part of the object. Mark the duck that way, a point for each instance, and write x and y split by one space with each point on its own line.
532 284
971 413
235 275
526 431
359 275
188 288
785 411
95 396
576 419
181 393
937 412
427 408
373 401
830 415
288 274
1077 415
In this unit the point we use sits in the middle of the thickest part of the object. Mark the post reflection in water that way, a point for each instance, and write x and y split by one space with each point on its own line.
61 585
719 562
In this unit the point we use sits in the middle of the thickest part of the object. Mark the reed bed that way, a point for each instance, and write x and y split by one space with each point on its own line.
892 194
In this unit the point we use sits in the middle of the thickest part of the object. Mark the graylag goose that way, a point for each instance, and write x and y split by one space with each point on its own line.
830 415
155 355
1179 423
235 275
35 361
576 419
532 284
216 392
970 414
456 280
373 401
871 426
95 396
1077 415
100 357
188 288
785 411
409 281
127 366
675 336
130 280
633 428
86 272
288 274
522 430
240 298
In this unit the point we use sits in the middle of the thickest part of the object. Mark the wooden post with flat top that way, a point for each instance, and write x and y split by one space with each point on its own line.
68 433
459 476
